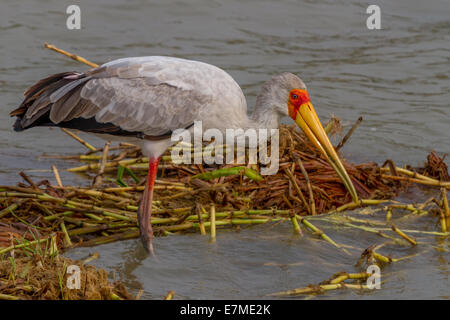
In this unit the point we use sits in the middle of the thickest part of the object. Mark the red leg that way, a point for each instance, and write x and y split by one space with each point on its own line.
145 207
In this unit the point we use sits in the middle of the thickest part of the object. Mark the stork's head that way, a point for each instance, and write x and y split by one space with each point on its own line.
288 96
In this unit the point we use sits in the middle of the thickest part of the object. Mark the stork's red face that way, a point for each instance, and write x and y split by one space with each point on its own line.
297 97
302 112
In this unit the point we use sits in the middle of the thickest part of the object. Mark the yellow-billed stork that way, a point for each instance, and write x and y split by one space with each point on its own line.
146 98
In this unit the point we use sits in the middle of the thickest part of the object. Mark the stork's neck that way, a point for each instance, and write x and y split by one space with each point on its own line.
265 114
264 117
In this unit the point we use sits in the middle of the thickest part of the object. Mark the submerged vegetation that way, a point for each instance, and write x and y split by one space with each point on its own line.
40 219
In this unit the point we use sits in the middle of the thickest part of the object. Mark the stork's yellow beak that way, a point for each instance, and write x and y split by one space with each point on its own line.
308 120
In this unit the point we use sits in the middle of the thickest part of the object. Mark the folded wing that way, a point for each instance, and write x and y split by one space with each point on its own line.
149 95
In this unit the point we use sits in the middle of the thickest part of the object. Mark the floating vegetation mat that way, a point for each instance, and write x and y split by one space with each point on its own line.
201 198
105 210
44 276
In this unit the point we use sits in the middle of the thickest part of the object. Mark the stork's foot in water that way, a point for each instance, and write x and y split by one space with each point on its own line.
144 216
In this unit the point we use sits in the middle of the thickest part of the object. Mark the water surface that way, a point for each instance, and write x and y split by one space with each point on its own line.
397 78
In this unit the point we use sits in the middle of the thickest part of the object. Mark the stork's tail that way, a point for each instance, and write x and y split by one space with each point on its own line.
34 109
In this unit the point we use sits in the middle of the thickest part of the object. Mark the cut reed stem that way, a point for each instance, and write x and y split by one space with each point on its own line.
349 133
320 233
77 138
213 224
403 235
169 295
98 178
446 209
71 55
57 177
297 188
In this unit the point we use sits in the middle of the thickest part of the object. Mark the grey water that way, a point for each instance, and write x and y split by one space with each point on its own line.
397 78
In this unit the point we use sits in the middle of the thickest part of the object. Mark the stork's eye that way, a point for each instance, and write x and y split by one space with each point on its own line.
294 96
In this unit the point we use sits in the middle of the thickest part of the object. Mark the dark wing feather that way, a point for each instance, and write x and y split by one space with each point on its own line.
149 95
38 105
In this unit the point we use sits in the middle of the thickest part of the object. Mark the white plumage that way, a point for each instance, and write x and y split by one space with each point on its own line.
155 94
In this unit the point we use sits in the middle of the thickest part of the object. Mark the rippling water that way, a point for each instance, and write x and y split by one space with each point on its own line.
397 78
